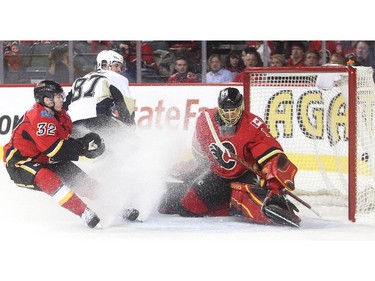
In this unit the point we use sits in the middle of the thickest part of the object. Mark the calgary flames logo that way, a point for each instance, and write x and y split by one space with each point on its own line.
222 157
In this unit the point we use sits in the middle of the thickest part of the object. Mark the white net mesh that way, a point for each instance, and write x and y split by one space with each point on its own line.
365 143
307 112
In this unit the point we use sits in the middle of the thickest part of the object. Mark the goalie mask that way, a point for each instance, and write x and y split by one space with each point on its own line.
230 103
47 88
107 58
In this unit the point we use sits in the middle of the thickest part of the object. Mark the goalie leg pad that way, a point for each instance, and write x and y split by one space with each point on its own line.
220 211
209 194
193 204
247 202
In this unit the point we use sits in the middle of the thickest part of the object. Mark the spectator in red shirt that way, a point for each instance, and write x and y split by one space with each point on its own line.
251 58
12 58
298 50
182 75
13 63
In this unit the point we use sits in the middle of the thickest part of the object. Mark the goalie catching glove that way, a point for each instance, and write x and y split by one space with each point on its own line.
92 145
279 173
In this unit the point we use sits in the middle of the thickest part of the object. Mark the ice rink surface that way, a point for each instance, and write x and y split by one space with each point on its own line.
42 241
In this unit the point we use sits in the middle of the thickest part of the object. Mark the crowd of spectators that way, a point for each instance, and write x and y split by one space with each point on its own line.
175 61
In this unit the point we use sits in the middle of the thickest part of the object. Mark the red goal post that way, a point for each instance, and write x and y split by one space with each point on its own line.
324 118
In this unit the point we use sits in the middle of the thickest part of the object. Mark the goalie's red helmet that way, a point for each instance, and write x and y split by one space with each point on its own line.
230 102
46 88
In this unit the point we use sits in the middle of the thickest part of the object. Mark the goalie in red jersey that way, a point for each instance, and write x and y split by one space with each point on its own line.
39 153
239 169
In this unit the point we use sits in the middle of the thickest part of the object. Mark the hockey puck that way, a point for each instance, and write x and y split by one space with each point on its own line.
365 157
130 214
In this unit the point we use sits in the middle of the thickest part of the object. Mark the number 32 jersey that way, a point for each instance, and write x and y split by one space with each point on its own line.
39 135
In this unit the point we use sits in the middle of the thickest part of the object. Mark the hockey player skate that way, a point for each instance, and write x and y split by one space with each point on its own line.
281 211
90 219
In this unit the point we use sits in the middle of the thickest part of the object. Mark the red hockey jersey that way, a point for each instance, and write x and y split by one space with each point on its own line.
252 142
39 134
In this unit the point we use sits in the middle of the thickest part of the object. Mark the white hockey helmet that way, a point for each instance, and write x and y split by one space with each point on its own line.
108 57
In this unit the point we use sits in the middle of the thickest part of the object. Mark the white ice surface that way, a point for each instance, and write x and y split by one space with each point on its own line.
42 241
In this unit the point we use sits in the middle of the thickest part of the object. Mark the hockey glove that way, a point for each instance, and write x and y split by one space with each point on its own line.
279 173
92 145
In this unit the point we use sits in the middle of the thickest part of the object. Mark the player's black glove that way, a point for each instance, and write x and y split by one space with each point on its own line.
216 152
92 145
220 157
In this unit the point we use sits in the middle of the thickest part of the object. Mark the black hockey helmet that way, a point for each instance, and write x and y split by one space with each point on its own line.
230 102
46 88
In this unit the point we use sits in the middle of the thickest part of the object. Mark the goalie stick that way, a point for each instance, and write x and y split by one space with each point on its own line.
247 165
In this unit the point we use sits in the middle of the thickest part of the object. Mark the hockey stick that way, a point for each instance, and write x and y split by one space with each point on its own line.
247 165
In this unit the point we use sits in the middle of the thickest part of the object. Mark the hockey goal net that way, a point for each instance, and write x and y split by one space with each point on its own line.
324 119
